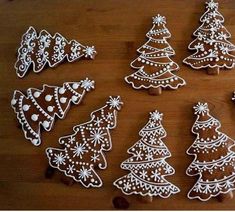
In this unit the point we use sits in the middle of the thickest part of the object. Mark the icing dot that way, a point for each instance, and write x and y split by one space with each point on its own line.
61 90
36 94
48 98
46 124
63 99
34 117
50 108
35 142
26 107
75 86
74 98
13 102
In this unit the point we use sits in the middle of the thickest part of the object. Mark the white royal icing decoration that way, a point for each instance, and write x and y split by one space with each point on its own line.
61 90
46 124
63 100
216 172
50 108
147 164
13 102
34 117
154 65
26 107
83 151
36 94
46 109
48 98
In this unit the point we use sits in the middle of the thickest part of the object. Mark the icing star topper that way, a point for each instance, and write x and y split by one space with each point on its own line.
115 102
212 5
158 19
201 109
156 116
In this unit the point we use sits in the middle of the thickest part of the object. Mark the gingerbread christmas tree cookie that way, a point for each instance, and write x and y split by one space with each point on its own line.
214 160
147 164
40 50
154 66
41 107
83 151
212 47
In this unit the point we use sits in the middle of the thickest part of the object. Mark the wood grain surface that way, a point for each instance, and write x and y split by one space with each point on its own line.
116 28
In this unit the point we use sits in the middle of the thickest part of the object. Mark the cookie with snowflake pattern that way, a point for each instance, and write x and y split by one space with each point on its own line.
40 50
213 49
83 151
214 159
39 108
147 165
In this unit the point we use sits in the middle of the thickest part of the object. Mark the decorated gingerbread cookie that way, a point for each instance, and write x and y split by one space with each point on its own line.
211 46
154 66
214 160
83 151
39 50
41 107
147 165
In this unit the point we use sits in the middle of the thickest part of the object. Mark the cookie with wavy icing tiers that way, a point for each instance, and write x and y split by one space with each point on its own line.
39 108
212 47
147 165
154 66
39 50
214 158
82 152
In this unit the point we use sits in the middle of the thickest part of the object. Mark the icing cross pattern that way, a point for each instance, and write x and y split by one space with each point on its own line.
212 46
37 51
83 151
147 164
154 66
214 161
40 107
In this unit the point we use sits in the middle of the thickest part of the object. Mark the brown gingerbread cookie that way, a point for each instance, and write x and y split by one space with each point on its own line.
147 165
38 50
40 107
213 50
214 160
154 66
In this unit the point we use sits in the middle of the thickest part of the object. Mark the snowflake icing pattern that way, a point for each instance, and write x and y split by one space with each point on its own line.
59 159
159 20
143 174
212 5
156 116
114 102
155 175
87 84
89 51
70 169
79 150
84 173
201 108
97 136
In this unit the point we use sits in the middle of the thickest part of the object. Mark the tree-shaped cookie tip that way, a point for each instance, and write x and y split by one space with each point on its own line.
154 66
213 49
147 164
214 160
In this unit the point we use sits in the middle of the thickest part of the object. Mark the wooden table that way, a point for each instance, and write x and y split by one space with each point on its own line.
117 29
